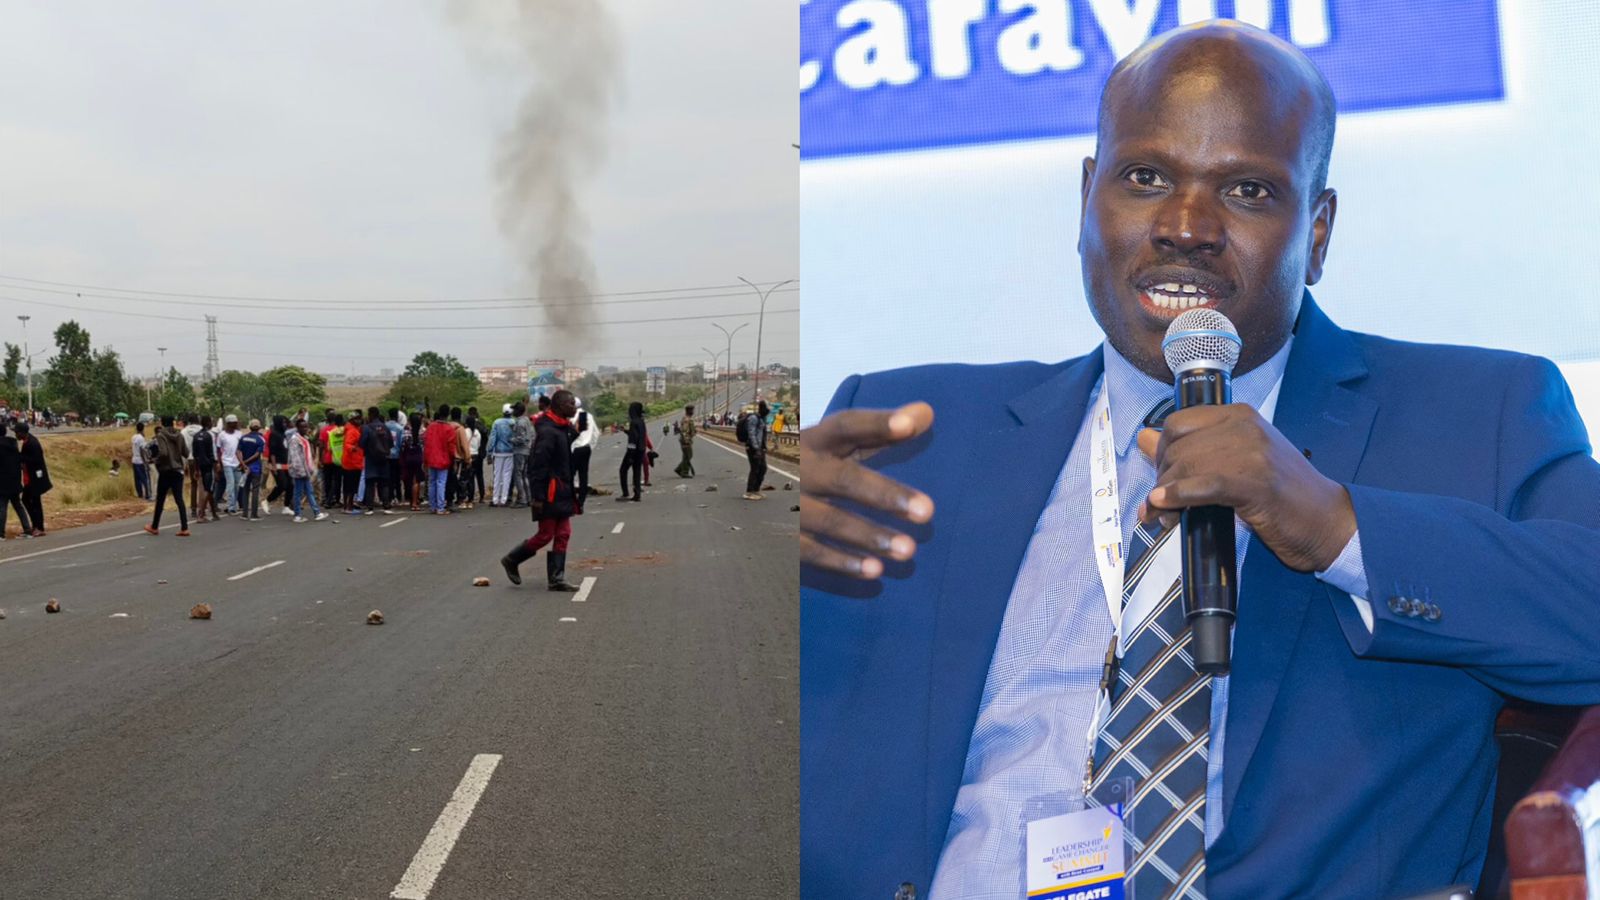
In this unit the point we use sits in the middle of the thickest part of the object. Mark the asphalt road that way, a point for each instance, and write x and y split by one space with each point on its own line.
287 749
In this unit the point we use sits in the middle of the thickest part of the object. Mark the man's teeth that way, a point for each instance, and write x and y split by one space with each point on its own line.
1177 296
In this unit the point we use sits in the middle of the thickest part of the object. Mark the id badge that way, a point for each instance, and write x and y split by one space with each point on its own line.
1076 850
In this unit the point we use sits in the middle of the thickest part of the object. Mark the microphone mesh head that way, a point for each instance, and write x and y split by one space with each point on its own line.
1201 338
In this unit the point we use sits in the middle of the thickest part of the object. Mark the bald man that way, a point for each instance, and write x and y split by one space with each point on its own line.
1418 538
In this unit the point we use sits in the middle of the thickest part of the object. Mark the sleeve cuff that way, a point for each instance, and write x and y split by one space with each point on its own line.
1348 573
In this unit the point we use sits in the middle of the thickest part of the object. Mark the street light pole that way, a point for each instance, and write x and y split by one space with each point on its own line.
728 394
161 373
761 321
714 355
28 358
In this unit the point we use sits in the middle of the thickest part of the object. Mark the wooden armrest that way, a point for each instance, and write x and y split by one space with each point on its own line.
1553 834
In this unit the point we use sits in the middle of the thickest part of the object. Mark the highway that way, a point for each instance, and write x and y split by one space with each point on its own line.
638 739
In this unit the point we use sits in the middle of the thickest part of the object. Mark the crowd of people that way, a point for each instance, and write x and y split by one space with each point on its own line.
367 462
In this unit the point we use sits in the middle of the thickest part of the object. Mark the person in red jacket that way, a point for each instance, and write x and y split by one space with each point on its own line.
438 454
353 462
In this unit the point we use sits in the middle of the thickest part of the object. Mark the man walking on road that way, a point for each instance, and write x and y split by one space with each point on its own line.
141 475
252 449
353 461
397 433
686 432
35 476
499 451
755 448
521 446
633 459
191 427
228 448
554 498
171 455
376 442
582 449
303 470
203 460
438 454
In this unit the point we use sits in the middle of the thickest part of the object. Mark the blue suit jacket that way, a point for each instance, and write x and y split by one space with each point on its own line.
1357 765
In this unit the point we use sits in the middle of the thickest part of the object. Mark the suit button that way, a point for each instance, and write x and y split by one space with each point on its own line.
1433 613
1398 605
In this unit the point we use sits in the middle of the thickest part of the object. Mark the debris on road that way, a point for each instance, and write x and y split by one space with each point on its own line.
600 492
569 619
794 508
734 528
768 487
161 581
200 611
788 485
480 581
2 614
348 569
711 488
113 616
375 618
54 606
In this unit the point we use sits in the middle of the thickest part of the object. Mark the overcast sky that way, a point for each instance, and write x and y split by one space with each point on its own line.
345 151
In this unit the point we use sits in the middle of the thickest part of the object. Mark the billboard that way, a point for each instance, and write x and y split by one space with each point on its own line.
883 75
545 377
655 380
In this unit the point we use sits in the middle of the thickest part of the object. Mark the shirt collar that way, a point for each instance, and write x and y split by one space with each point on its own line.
1134 394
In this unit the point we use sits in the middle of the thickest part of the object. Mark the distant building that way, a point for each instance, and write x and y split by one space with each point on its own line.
490 374
576 374
385 373
603 371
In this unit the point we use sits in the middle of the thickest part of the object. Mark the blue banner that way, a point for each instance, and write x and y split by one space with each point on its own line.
885 75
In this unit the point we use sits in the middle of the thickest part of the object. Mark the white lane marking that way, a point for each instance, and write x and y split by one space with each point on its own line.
436 847
569 619
584 589
115 537
618 529
740 454
395 522
247 574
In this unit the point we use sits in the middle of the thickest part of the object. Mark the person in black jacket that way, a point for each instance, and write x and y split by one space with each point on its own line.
204 454
11 482
277 460
551 493
35 477
634 458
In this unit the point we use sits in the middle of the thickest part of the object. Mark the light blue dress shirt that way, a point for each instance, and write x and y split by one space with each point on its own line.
1030 739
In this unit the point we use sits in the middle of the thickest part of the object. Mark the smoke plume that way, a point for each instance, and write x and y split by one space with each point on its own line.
567 52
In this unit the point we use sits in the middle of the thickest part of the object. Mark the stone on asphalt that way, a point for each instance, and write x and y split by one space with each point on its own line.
480 581
200 611
710 488
54 606
375 618
794 509
788 485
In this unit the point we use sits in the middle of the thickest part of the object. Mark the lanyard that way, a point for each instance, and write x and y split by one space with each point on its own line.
1106 509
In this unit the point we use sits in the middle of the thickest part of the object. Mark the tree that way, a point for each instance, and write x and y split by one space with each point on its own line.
111 388
435 379
13 364
176 396
287 388
73 371
236 392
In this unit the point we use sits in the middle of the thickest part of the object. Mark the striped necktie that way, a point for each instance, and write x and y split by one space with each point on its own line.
1156 734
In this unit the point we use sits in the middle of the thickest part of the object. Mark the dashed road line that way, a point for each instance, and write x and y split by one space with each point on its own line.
618 529
395 522
430 859
249 572
584 589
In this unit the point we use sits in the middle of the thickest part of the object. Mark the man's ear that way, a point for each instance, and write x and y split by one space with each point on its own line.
1083 196
1322 216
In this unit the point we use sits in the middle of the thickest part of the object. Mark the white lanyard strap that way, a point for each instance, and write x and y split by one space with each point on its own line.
1105 506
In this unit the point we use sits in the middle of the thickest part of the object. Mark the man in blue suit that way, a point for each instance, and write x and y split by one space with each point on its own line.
1419 530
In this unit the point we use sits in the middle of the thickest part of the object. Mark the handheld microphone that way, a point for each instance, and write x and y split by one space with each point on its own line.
1201 348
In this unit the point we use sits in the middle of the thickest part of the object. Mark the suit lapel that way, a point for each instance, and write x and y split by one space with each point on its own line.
1320 414
1004 495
